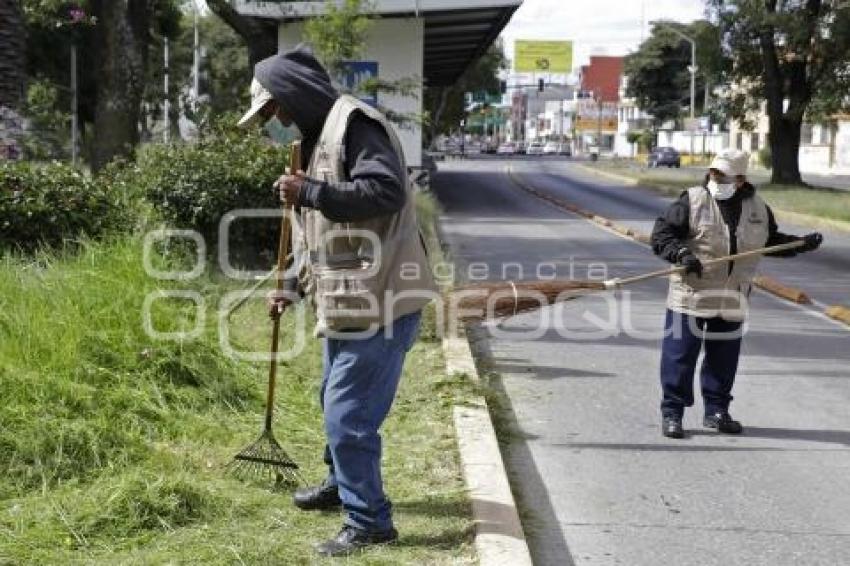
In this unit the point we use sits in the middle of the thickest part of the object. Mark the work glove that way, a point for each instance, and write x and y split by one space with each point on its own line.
277 302
811 242
691 263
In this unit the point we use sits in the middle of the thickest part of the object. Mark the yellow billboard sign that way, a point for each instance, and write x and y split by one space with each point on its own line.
607 125
543 56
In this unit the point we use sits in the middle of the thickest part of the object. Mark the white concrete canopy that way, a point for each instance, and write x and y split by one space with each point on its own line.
434 41
456 32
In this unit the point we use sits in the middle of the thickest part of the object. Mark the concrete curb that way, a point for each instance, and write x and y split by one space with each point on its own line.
613 176
839 313
499 538
790 293
807 220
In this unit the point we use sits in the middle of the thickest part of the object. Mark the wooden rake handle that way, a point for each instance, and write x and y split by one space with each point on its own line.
282 253
620 282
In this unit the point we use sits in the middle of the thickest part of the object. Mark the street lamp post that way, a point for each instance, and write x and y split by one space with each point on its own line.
693 70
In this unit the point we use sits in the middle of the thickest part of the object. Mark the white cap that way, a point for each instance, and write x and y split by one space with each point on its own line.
259 97
731 162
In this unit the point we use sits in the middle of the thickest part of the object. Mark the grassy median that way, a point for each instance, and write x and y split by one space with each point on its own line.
113 443
820 202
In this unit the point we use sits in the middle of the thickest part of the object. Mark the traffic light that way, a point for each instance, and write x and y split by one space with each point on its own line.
541 85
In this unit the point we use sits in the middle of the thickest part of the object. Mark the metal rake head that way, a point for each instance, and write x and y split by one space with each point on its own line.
266 457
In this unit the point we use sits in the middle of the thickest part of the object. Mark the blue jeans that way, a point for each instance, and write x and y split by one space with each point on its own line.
684 337
358 387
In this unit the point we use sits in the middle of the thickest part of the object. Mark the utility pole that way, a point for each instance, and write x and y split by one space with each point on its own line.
74 103
692 68
598 99
166 106
196 61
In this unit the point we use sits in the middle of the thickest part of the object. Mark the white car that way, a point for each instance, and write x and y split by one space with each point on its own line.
535 148
507 148
551 148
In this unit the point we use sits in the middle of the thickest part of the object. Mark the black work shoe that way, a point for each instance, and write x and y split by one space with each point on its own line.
723 422
351 539
318 497
671 426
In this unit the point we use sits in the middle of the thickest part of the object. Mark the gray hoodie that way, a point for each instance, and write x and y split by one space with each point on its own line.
374 178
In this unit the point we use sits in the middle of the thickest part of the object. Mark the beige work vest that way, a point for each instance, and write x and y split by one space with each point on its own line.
361 275
719 292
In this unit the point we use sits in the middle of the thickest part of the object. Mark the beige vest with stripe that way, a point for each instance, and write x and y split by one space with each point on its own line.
719 292
361 275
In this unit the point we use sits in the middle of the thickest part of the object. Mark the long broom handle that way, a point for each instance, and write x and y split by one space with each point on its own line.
619 282
282 252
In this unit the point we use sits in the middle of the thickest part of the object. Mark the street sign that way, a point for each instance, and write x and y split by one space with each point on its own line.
354 74
609 125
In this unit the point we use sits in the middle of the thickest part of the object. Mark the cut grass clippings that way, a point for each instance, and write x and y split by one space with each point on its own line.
113 443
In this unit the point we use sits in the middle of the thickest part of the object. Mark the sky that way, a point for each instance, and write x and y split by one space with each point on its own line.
596 27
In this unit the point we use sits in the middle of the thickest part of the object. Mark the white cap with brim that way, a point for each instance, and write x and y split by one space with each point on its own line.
259 97
731 162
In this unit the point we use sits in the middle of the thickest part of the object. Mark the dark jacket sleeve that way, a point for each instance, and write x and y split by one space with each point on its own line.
777 238
671 230
375 180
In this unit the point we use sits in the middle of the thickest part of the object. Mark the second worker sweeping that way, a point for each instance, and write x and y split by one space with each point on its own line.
706 307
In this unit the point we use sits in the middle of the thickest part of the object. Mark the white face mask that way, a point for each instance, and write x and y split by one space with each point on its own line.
281 134
721 192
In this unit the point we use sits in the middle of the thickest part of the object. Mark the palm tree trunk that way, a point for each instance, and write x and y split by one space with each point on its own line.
13 73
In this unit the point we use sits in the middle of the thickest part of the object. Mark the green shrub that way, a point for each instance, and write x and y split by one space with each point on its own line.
51 204
765 157
193 186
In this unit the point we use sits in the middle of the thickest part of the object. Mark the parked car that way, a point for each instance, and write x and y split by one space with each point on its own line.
665 156
566 149
473 148
551 148
507 148
535 148
521 147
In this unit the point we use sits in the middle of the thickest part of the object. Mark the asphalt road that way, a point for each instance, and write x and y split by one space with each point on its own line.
596 482
824 275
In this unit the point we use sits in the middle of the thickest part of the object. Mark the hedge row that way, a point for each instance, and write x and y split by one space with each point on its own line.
187 186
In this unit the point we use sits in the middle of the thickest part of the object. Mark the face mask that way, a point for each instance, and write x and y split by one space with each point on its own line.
721 192
281 134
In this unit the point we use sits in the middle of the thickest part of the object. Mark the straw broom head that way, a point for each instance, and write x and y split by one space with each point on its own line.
508 298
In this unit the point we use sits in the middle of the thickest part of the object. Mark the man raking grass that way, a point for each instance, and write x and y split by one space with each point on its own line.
359 257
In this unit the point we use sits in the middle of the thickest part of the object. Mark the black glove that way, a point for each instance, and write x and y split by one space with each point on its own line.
691 263
811 242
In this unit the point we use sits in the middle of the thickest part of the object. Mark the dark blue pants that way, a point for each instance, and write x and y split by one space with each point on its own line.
358 387
684 337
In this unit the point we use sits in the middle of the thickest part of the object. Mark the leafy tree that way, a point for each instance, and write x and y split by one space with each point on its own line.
114 39
658 73
340 34
445 105
259 35
795 55
48 135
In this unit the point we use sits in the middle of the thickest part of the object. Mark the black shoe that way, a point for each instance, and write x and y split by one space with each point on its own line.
319 497
351 539
723 423
671 426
